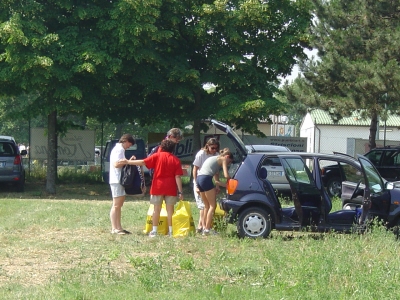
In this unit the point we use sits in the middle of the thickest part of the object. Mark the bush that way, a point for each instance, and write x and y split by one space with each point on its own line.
66 174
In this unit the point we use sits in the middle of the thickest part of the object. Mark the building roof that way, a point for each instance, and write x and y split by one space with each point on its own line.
322 117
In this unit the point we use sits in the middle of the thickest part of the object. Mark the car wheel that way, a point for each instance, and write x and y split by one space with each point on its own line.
334 187
254 222
350 206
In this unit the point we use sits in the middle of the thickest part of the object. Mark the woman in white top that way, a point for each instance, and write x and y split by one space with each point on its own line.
208 192
117 161
211 148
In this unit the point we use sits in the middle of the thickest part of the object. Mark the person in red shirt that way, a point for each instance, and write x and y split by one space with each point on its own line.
167 182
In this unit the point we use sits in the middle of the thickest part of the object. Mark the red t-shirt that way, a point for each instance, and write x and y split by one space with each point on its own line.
166 166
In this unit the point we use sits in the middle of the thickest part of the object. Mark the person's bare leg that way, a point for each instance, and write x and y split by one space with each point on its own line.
202 224
206 208
156 214
115 212
211 199
170 212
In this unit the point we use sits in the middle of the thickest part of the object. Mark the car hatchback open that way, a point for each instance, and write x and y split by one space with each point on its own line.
251 201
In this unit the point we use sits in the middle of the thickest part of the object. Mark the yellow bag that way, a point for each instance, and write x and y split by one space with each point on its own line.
162 222
182 220
219 218
219 212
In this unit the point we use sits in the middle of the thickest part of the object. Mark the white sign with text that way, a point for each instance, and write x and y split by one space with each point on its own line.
74 145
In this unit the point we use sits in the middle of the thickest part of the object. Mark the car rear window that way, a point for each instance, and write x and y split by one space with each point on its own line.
6 149
272 161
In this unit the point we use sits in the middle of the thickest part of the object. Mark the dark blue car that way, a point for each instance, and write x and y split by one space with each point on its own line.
252 203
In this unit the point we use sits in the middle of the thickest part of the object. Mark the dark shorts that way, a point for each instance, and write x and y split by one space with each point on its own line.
205 183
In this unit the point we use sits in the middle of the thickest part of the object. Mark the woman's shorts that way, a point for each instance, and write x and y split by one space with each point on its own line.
205 183
117 190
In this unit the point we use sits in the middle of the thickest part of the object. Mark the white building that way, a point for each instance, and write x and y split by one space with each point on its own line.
324 135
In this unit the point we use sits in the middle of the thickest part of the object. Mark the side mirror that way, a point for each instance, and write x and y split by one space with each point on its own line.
392 185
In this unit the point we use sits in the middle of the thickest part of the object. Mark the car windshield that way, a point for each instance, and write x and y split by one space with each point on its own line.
375 182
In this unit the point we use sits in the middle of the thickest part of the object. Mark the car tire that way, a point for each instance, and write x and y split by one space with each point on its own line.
254 222
350 206
334 187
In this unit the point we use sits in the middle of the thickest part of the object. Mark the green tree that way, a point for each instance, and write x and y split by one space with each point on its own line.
147 61
240 48
49 50
357 67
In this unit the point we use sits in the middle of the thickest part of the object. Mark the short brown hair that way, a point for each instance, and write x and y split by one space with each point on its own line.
167 146
127 138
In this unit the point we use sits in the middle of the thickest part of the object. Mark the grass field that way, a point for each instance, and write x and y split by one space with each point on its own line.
61 248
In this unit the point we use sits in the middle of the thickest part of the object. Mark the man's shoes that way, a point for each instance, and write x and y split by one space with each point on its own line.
199 230
153 234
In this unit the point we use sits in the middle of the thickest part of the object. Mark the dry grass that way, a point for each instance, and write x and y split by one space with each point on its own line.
56 249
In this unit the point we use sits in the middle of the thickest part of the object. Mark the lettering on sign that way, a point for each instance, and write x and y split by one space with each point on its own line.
75 145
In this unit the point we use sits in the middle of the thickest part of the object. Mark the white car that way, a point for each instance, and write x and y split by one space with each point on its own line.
266 148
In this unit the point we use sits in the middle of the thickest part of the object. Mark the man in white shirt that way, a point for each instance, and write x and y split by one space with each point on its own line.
117 161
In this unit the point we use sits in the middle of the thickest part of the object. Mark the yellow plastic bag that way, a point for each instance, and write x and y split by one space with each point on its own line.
219 222
162 223
182 220
219 212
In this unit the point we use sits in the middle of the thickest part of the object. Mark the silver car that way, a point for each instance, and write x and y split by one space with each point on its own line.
11 167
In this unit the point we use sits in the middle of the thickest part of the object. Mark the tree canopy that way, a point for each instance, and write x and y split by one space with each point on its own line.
148 61
357 66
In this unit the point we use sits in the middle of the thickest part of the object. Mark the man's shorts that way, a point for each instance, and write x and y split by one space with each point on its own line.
205 183
197 197
117 190
158 199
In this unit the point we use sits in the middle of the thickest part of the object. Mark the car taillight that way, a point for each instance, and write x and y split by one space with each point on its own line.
17 160
231 186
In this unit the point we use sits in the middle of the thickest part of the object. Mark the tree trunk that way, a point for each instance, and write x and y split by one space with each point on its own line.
196 124
118 131
52 153
372 130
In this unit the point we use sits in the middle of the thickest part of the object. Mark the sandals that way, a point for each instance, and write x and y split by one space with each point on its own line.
120 232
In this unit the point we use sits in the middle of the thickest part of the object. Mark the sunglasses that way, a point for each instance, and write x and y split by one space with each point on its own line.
214 148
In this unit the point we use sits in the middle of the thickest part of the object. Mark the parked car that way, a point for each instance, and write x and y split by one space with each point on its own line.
11 167
332 176
266 148
253 205
138 150
387 161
